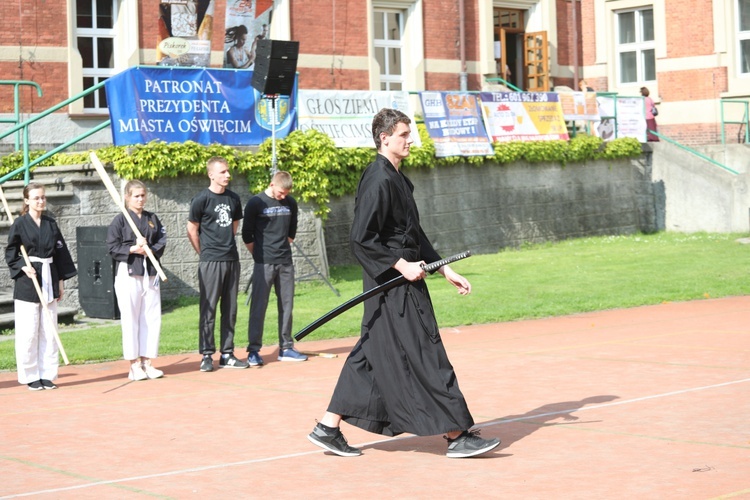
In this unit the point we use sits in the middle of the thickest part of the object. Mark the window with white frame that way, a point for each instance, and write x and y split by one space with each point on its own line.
95 37
743 35
388 44
635 47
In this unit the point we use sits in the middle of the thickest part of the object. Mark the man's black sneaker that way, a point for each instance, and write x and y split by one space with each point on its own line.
36 386
335 442
207 364
230 361
47 384
469 444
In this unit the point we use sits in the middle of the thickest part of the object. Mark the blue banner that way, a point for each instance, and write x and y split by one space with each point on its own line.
454 122
207 106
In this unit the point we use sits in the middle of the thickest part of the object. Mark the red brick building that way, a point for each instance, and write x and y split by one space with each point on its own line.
691 54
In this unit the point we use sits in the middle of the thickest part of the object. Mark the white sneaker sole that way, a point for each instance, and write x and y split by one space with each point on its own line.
331 449
453 454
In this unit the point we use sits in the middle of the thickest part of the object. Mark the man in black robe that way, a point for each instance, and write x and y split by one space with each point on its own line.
398 377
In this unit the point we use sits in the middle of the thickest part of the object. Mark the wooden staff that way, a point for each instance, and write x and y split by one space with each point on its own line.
118 201
47 313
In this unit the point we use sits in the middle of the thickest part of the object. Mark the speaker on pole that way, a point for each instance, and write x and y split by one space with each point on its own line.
275 66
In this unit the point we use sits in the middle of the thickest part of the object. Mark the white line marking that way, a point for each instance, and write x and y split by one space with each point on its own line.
302 454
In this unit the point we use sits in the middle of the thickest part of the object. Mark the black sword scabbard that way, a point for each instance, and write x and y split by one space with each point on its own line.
432 267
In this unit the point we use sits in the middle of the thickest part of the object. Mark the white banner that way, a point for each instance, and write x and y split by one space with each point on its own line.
631 118
346 115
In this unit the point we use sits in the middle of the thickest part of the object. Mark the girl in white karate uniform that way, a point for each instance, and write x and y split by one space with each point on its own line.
36 350
137 282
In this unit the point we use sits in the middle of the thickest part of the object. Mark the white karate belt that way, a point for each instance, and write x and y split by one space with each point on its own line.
46 277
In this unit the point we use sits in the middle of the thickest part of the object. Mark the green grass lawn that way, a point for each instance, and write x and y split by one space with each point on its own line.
537 281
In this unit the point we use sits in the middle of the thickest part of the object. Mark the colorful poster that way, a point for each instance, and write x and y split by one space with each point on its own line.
524 116
243 29
185 31
454 122
631 118
579 106
346 115
207 106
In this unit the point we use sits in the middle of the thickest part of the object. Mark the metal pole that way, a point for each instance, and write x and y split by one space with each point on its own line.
274 168
575 45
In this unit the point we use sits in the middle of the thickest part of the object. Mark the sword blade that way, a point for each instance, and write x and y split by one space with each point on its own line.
398 280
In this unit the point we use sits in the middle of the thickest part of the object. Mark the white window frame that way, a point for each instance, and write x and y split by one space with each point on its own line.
412 43
638 46
98 74
741 36
386 79
126 51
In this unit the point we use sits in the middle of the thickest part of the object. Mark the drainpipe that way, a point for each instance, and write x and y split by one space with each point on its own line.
463 76
575 45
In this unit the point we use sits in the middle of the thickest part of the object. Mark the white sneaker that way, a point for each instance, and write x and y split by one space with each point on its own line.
150 371
136 371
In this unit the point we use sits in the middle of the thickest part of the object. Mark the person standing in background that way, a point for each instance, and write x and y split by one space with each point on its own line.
36 348
214 217
136 281
651 113
268 232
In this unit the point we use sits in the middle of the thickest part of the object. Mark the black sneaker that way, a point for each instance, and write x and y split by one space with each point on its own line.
47 384
36 386
207 364
230 361
469 444
334 442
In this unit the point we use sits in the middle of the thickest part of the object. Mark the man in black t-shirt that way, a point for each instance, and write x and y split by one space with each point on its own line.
268 232
214 216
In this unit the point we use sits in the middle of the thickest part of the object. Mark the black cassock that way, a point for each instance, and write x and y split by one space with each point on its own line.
42 241
398 377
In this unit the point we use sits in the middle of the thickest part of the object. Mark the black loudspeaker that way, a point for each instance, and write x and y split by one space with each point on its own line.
96 273
275 66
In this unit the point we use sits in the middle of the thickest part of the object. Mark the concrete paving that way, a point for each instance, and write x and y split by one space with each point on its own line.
650 402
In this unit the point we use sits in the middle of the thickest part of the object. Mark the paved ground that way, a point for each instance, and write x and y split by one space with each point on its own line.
651 402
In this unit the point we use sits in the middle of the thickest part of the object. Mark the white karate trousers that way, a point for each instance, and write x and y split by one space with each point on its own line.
139 300
36 349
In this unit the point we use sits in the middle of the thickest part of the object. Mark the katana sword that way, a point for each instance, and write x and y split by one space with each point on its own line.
398 280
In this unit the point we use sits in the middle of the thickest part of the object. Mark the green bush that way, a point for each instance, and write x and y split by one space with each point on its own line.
320 169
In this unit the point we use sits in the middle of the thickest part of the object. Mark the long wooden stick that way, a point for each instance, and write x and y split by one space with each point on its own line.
118 201
47 313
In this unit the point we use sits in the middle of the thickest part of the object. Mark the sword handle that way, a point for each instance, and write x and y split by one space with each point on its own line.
434 266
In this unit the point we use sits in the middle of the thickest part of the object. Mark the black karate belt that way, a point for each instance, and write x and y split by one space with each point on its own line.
398 280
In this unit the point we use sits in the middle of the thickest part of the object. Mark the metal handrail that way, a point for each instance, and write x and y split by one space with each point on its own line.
745 120
24 129
504 82
693 151
16 107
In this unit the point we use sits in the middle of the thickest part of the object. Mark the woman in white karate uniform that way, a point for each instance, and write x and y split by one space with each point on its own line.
137 282
36 350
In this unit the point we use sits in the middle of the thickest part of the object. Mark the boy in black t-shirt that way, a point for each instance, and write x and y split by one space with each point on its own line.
268 232
215 214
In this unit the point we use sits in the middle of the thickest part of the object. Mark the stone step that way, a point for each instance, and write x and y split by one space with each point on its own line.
58 183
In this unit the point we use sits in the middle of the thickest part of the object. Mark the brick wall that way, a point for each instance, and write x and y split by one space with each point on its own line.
690 29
